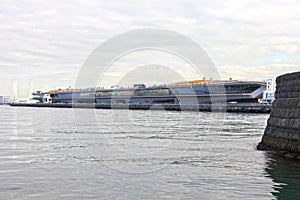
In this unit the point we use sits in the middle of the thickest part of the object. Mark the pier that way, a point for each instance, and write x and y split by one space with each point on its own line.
243 108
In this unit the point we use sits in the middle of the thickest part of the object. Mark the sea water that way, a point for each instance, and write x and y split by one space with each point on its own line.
61 153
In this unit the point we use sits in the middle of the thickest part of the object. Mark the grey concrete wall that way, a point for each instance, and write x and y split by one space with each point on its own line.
282 133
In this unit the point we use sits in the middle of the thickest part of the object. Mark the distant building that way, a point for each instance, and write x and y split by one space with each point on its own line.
15 90
5 100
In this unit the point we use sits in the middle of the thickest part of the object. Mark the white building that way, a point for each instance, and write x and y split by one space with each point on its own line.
5 100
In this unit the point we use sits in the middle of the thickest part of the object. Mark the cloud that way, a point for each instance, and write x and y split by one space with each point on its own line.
49 41
285 44
288 49
271 70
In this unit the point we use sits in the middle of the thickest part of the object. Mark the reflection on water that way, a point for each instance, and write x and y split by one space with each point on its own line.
285 174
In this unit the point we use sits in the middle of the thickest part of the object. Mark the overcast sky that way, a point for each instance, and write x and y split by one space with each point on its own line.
47 42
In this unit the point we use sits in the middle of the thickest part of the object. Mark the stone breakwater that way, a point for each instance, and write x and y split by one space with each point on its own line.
282 133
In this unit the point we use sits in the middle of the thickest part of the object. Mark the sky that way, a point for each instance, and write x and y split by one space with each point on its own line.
48 41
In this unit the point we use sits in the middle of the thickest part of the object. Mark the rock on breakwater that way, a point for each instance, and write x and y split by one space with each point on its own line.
282 133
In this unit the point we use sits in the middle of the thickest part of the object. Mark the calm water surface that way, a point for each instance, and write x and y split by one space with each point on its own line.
48 153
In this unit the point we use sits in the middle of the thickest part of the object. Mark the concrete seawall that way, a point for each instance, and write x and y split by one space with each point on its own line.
282 133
